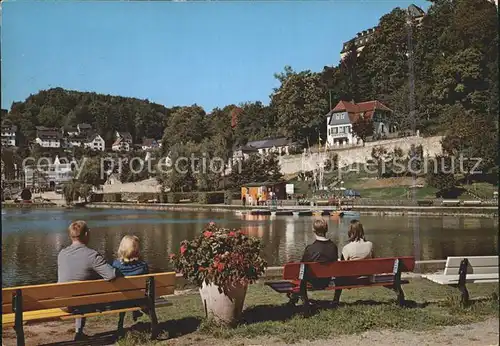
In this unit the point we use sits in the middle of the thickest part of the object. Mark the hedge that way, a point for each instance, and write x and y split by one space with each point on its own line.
112 197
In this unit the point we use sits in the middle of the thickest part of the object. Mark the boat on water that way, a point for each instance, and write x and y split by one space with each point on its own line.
345 214
302 212
260 212
282 212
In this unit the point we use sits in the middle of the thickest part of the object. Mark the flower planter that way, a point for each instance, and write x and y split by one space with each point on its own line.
224 308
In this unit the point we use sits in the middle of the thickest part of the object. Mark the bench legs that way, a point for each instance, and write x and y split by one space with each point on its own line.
17 300
464 294
400 295
151 307
462 276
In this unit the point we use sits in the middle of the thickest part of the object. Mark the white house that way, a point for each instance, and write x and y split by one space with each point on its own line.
95 142
9 135
120 145
280 146
49 174
339 121
48 137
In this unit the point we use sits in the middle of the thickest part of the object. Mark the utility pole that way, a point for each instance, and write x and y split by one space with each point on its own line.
413 121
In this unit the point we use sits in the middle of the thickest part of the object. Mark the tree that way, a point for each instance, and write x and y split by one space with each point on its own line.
300 105
26 195
440 175
71 191
90 172
256 169
363 128
187 124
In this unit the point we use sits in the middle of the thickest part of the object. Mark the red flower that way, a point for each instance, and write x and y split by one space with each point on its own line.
232 234
200 269
172 256
220 267
207 234
183 249
211 223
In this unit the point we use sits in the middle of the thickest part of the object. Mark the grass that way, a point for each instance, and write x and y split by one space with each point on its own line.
397 193
432 306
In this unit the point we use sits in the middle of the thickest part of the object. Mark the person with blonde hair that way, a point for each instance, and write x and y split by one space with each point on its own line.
78 262
129 263
357 248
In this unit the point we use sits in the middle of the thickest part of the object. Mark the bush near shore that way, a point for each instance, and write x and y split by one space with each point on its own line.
205 197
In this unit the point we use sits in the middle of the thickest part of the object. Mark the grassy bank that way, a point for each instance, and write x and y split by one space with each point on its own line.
431 306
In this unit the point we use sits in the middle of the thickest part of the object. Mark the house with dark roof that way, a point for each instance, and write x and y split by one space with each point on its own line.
95 142
149 143
48 137
280 146
340 119
120 144
363 37
83 128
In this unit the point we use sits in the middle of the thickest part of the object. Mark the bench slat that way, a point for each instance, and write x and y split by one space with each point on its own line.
474 261
55 314
349 268
31 304
472 270
69 289
453 279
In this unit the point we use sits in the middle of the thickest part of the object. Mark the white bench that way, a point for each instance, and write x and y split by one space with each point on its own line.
453 202
462 270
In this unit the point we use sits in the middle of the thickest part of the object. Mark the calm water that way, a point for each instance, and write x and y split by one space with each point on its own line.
32 238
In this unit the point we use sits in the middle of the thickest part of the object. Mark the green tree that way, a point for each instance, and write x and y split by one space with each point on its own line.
300 104
440 175
363 128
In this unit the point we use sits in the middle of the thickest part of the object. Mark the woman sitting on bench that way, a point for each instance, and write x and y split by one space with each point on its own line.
357 248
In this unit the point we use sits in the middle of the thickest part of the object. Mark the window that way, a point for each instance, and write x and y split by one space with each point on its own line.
335 130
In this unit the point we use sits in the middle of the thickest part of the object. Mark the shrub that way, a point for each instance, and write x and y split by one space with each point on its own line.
221 256
203 198
112 197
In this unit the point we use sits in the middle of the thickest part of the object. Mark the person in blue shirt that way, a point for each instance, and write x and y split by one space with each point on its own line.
129 263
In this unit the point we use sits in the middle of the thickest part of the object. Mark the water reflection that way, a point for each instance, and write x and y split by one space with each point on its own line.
32 238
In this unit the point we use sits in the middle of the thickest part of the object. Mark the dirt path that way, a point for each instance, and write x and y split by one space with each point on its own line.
477 334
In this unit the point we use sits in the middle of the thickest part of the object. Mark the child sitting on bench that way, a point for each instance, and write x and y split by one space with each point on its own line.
129 264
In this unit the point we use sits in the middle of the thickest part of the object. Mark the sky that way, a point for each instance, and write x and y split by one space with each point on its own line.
212 53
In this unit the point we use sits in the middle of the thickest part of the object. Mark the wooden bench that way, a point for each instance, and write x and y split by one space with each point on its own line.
451 202
296 277
461 270
472 203
425 202
86 298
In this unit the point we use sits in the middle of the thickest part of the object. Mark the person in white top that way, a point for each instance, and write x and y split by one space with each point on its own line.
357 248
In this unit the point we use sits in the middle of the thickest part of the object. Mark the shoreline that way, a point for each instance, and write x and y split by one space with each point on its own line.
483 211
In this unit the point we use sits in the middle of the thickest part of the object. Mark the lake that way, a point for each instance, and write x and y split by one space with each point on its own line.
32 238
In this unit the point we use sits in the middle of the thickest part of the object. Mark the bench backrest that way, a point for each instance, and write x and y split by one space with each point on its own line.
477 265
78 293
292 271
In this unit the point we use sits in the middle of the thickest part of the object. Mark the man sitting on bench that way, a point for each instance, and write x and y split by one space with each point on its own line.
323 250
77 262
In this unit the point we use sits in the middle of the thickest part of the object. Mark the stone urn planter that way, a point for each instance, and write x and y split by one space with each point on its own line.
223 307
221 262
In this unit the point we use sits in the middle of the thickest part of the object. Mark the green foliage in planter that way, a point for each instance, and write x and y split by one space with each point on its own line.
224 257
